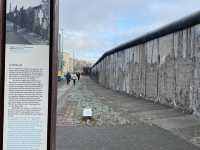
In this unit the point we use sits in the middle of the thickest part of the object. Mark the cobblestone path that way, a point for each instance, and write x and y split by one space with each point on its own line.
81 96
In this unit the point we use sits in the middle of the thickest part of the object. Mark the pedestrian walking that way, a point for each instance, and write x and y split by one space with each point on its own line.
74 78
78 75
68 78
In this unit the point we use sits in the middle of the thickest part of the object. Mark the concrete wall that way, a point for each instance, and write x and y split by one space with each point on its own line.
165 69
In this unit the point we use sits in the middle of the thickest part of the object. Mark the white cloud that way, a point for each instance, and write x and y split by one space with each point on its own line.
81 41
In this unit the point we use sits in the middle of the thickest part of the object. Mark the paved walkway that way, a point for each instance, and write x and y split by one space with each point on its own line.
121 121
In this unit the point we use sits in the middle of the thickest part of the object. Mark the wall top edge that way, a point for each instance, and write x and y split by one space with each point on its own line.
176 26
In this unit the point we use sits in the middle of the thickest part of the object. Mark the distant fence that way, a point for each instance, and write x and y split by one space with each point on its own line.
162 66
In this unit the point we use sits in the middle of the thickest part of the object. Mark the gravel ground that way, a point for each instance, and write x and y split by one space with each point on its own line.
116 114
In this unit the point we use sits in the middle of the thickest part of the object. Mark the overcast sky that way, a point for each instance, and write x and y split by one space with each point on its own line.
92 27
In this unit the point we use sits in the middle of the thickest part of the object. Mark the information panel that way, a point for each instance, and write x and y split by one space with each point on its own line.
26 75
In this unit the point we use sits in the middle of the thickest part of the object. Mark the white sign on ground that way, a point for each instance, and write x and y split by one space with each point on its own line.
87 112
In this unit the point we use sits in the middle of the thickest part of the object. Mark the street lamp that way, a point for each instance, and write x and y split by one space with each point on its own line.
73 61
62 51
10 9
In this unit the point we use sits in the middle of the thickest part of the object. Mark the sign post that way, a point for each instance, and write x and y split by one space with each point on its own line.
29 56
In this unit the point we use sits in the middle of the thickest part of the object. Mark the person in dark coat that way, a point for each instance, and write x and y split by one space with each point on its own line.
68 78
78 75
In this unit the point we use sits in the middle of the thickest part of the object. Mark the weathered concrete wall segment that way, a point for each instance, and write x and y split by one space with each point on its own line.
165 69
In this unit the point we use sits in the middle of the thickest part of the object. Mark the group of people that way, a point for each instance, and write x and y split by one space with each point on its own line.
73 77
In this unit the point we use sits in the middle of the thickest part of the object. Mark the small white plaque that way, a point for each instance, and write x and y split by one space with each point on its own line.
87 112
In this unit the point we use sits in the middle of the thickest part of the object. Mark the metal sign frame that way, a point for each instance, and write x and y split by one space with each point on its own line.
53 46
